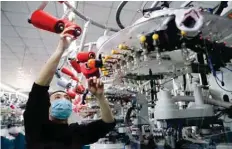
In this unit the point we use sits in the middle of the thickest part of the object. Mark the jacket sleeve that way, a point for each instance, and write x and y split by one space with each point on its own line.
90 133
36 112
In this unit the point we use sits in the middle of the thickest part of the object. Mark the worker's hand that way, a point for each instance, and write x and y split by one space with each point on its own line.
66 38
96 87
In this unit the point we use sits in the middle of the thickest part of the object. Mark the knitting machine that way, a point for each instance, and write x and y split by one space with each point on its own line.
167 76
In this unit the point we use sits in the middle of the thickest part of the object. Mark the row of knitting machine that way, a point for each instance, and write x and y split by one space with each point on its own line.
167 76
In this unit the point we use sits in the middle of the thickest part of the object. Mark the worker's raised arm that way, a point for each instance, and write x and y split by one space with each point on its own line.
48 70
91 132
96 87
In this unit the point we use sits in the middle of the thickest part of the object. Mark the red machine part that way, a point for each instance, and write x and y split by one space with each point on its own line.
93 63
80 89
81 64
71 93
45 21
77 32
83 57
87 72
69 73
76 66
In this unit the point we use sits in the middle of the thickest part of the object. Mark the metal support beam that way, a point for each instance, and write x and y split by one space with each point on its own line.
83 37
43 5
185 4
88 19
71 17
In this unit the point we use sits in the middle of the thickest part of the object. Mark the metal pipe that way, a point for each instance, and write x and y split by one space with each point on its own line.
43 5
90 47
86 45
66 14
198 95
185 4
106 32
88 19
154 4
84 36
147 82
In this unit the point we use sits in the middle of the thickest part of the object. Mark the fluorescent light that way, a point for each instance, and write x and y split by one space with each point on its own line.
10 89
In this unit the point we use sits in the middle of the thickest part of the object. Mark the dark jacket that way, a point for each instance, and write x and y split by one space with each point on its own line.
41 133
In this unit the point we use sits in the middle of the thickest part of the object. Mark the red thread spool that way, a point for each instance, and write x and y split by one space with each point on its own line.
45 21
67 72
85 56
75 78
77 32
80 89
71 93
75 65
90 72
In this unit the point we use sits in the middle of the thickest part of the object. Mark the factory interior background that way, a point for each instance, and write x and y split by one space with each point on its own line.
26 48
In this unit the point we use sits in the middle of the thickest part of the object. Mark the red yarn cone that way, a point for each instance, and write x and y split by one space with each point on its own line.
67 71
75 65
80 89
45 21
85 56
77 32
71 93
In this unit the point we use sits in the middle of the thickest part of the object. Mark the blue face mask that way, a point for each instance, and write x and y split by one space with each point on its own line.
61 109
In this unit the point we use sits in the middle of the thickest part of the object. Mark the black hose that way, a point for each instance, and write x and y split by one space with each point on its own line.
200 58
222 5
184 81
57 73
128 114
118 12
164 4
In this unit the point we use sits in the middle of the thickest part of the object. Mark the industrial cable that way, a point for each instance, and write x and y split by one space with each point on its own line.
144 4
214 72
216 78
127 119
165 4
228 69
184 81
118 12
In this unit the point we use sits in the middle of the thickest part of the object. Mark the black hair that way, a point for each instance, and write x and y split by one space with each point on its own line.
56 92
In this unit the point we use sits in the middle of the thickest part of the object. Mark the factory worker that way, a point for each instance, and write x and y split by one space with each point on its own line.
46 116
